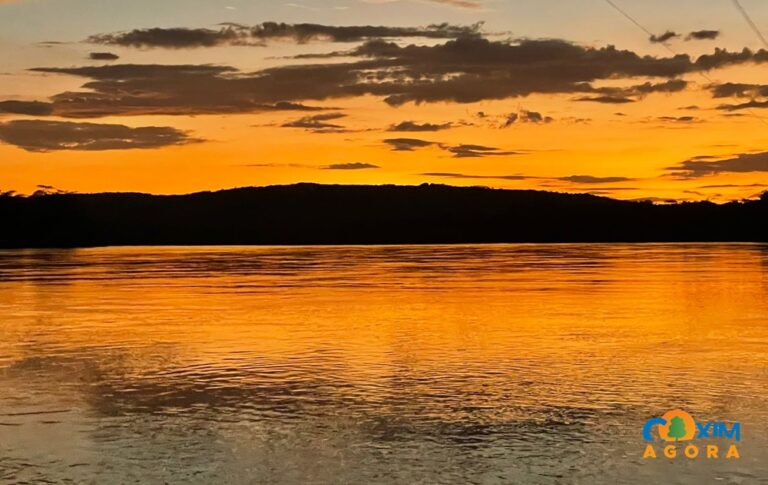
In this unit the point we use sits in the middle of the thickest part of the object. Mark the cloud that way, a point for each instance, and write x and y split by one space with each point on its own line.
473 69
407 144
738 90
32 108
741 106
317 123
728 186
627 94
463 70
476 151
703 35
351 166
723 58
578 179
708 165
259 35
286 106
458 151
534 117
671 86
413 126
660 39
525 116
606 99
589 179
466 176
130 89
103 56
44 136
172 38
741 90
679 119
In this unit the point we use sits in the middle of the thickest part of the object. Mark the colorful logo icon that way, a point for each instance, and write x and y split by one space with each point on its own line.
678 426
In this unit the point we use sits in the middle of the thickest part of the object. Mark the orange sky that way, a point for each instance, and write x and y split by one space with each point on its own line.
623 150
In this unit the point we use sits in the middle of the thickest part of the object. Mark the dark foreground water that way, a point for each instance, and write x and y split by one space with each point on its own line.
366 365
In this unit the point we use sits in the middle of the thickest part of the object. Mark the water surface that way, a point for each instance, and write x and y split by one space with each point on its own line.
401 364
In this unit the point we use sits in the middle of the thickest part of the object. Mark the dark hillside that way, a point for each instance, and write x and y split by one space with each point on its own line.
336 214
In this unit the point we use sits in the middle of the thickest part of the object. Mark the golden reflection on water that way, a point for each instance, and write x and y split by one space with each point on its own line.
453 364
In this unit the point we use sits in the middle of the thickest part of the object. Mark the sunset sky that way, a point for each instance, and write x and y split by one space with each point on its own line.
667 100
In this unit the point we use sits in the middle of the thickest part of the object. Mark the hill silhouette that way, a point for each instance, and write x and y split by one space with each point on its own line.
353 214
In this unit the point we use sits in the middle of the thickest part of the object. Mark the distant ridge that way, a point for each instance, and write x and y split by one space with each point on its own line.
358 214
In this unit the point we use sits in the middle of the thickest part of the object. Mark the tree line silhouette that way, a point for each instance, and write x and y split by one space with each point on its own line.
352 214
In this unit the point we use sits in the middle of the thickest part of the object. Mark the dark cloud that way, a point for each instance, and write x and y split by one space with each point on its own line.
671 86
318 123
351 166
458 151
103 56
660 39
708 165
258 35
463 70
129 89
589 179
577 179
619 95
407 144
512 118
741 106
723 58
476 151
173 38
32 108
43 136
468 70
467 176
286 106
577 120
473 69
413 126
728 186
703 35
525 116
679 119
606 99
738 90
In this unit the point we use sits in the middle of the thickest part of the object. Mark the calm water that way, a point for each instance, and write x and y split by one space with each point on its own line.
436 364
